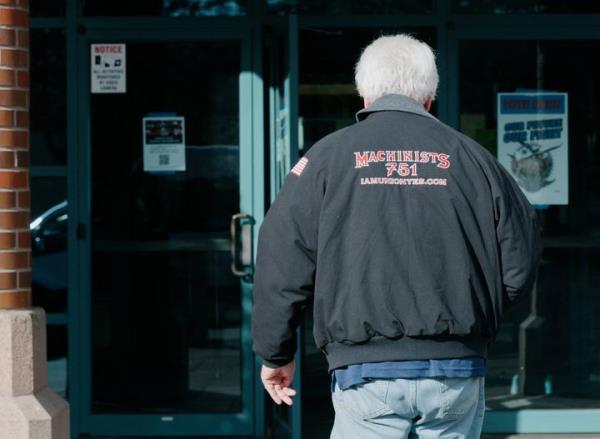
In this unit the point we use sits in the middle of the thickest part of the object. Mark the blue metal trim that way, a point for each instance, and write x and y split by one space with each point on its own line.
168 424
531 32
343 21
543 421
247 204
83 266
73 251
258 204
164 35
291 91
176 23
274 106
546 23
56 319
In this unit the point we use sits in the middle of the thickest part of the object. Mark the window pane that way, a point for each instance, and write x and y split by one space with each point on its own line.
49 243
525 7
328 96
346 7
46 192
47 8
48 98
57 358
547 352
172 8
162 290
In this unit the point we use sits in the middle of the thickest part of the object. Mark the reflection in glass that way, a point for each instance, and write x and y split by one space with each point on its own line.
347 7
172 8
547 352
501 7
48 97
49 243
166 310
328 96
46 192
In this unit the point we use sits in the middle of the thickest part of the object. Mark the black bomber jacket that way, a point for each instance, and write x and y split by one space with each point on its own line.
410 238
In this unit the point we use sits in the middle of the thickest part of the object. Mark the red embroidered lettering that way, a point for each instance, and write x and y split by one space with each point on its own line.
391 168
361 159
444 162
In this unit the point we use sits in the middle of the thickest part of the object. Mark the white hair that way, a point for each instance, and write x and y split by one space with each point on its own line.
397 64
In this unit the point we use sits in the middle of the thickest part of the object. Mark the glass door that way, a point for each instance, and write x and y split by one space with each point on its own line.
544 368
281 55
167 227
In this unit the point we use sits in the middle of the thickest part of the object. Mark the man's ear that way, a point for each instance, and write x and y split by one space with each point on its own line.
366 102
427 104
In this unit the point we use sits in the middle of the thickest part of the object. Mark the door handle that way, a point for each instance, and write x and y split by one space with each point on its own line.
242 256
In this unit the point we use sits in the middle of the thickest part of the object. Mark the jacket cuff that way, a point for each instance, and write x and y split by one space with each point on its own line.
277 363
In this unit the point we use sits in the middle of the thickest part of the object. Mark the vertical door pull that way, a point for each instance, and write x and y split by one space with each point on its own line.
242 256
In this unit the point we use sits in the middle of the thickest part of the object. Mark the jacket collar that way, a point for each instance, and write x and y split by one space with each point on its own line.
393 102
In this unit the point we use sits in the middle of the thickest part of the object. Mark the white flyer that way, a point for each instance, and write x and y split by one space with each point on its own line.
164 143
533 144
108 67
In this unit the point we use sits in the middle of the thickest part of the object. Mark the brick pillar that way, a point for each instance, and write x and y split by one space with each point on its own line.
15 237
29 409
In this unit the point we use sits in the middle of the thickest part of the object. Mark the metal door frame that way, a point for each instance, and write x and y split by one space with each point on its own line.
250 420
522 28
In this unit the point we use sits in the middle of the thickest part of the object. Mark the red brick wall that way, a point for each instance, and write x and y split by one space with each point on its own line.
15 238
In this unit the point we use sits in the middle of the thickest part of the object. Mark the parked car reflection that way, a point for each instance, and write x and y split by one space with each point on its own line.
49 259
49 286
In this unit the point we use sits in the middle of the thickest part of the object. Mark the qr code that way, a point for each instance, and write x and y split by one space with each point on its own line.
163 159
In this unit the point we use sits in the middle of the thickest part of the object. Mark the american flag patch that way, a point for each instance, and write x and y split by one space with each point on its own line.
297 170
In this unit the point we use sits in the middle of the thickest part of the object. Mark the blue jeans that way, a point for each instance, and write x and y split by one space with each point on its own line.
425 408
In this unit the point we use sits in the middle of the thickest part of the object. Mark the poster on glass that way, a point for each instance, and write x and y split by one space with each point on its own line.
164 143
533 144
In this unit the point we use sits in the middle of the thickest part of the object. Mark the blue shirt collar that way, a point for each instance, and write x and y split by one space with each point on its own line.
393 102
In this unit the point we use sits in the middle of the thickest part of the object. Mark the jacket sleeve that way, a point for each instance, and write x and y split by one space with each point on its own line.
518 235
286 264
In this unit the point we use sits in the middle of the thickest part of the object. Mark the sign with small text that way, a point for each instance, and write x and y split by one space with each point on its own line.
108 68
164 143
533 144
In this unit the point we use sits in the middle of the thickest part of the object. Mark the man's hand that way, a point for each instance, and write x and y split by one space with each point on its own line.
277 381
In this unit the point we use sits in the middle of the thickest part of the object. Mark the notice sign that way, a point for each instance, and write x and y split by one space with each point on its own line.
533 144
108 68
164 143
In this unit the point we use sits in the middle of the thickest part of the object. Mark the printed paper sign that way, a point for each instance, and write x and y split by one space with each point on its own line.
164 143
533 144
108 68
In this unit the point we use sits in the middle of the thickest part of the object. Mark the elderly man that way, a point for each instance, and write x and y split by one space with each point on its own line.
412 241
